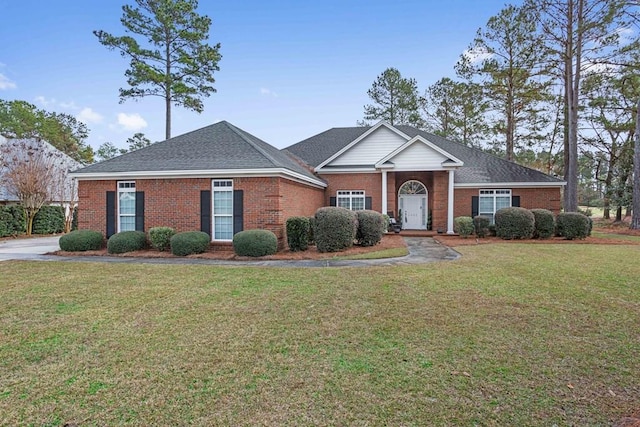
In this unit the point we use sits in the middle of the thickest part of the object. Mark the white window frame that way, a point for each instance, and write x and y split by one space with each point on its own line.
494 195
126 187
350 195
220 185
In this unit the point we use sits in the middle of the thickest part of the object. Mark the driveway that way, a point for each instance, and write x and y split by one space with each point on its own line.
28 249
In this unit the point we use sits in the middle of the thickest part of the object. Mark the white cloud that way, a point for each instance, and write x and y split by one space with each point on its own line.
69 105
87 115
268 92
5 83
476 55
44 101
131 122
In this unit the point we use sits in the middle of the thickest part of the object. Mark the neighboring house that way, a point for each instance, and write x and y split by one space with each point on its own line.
221 180
63 191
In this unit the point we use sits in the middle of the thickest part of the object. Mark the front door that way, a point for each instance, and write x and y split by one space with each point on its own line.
414 209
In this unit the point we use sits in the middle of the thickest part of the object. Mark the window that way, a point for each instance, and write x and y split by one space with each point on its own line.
223 209
352 200
492 200
126 206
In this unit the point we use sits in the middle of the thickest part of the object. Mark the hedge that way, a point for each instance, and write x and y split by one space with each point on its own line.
81 240
12 221
514 223
298 233
371 227
463 225
49 220
255 243
189 242
573 225
160 237
126 241
545 223
335 229
481 225
312 227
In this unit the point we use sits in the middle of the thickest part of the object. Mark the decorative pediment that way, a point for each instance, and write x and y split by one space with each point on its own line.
419 154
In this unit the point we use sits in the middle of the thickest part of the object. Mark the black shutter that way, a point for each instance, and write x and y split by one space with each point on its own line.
237 211
111 213
474 206
367 203
515 201
205 211
139 210
332 201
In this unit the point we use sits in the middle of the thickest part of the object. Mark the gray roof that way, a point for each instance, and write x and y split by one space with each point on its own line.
479 167
216 147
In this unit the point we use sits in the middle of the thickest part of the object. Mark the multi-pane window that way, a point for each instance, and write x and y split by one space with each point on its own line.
352 200
223 209
492 200
126 206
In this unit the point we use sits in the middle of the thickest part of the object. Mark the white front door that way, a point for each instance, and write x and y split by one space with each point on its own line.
414 208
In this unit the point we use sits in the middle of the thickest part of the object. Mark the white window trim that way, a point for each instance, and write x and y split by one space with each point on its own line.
350 195
494 194
125 187
214 189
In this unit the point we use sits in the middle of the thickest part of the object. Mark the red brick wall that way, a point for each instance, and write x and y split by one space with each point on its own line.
371 183
92 204
530 198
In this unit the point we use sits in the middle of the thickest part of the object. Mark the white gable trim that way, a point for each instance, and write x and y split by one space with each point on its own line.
451 161
360 138
510 184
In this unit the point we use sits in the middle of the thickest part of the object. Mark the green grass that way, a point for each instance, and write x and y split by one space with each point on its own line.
510 334
385 253
617 236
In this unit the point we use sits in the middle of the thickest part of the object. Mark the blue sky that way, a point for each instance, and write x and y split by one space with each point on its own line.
290 69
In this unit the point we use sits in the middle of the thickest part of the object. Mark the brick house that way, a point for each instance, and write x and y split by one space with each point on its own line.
221 180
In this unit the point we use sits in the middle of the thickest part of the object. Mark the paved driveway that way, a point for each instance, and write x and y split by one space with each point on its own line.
28 249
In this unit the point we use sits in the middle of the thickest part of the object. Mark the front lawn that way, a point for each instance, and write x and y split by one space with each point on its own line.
510 334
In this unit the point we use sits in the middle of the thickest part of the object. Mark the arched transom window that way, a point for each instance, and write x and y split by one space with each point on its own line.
413 187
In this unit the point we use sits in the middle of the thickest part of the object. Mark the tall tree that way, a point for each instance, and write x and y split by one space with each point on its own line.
20 119
506 58
138 141
170 58
395 99
456 110
108 151
577 34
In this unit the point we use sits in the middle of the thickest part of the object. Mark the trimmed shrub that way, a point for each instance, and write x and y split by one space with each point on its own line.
335 229
74 219
189 242
298 233
387 223
81 240
514 223
371 227
255 243
126 241
545 223
481 225
573 225
160 237
12 221
492 230
49 220
463 225
312 227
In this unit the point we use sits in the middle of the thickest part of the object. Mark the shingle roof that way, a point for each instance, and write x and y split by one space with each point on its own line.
479 167
216 147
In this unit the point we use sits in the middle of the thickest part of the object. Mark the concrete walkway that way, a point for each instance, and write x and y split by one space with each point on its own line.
421 250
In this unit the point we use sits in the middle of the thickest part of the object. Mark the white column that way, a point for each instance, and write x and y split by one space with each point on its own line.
450 204
384 191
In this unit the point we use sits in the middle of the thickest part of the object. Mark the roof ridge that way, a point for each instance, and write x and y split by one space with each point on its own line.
240 133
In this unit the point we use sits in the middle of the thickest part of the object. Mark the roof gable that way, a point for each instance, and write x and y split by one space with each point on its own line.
420 154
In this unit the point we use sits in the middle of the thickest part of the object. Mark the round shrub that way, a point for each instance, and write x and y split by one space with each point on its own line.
126 241
463 225
371 227
335 229
514 223
545 223
189 242
298 233
160 237
573 225
312 227
481 225
81 240
255 243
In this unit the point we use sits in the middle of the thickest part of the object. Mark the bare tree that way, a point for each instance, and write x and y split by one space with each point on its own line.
29 173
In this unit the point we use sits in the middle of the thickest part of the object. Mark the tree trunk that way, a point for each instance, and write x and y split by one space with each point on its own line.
572 84
167 128
635 219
